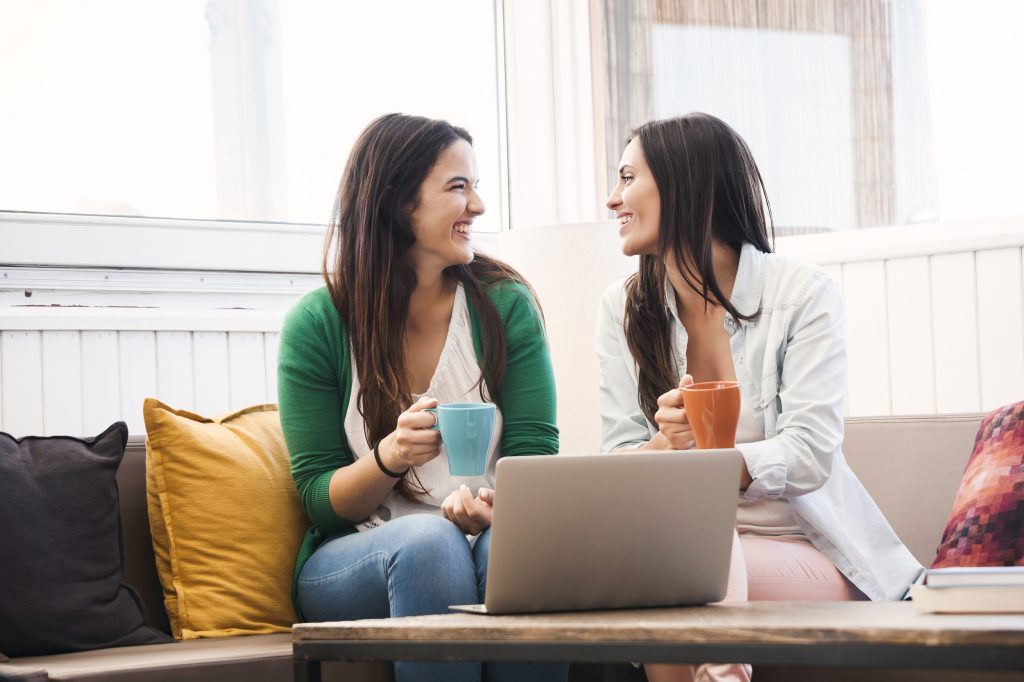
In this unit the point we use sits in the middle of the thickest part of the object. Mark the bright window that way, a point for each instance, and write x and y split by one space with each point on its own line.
228 109
107 108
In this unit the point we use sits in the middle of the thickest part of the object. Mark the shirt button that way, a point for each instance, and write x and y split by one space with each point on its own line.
851 573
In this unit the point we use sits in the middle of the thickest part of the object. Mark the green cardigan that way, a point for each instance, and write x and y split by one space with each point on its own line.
314 380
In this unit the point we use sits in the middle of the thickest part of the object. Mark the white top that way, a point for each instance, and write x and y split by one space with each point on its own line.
454 381
791 366
761 517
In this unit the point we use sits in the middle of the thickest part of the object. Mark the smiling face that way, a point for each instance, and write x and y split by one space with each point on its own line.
447 205
636 203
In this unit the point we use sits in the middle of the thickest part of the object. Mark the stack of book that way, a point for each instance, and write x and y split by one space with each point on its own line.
970 590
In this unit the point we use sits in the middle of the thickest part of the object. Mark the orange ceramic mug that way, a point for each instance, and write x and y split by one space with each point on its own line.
713 410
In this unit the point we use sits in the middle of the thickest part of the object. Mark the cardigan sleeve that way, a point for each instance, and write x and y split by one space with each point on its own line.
311 401
528 392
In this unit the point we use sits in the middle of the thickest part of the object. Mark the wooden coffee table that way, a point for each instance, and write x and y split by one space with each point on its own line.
786 633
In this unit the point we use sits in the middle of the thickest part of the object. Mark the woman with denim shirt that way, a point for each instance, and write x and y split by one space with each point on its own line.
712 302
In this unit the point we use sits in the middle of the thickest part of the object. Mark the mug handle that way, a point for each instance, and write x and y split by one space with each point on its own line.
433 411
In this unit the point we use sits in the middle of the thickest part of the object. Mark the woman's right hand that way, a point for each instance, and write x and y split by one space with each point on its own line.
413 442
674 432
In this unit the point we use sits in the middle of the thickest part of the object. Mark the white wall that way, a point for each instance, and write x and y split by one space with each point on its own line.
570 266
935 319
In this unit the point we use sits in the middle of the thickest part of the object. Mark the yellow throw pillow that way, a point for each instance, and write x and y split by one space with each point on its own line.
225 517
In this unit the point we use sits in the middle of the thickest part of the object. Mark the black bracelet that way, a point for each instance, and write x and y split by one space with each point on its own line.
387 472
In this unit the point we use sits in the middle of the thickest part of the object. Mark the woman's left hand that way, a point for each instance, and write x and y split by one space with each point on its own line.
471 514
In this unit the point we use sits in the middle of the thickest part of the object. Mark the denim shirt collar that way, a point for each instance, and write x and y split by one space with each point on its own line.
746 290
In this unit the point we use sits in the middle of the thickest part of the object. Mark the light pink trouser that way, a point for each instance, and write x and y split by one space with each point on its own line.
786 568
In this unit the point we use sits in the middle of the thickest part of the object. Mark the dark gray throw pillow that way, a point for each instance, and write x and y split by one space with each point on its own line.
61 560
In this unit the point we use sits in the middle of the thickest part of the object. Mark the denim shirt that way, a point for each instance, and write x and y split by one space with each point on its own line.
791 366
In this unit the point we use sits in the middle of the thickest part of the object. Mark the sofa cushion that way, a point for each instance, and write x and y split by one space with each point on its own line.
932 451
61 563
986 527
225 518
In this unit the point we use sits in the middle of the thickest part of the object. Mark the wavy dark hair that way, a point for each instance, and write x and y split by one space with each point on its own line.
370 276
710 189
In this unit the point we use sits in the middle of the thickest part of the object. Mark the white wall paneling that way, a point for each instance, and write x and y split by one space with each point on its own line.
868 343
1000 324
58 382
62 382
955 315
23 382
101 381
137 359
247 369
211 374
174 368
911 358
962 281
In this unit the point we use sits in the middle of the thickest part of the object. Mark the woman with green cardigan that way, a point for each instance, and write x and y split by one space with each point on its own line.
411 317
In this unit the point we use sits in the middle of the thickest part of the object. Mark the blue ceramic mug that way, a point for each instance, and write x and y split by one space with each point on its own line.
466 430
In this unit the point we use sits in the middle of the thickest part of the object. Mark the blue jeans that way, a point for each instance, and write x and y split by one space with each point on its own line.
411 566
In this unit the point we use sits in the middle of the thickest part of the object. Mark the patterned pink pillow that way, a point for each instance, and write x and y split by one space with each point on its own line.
986 527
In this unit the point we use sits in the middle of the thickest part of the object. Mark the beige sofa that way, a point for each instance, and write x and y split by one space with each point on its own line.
911 465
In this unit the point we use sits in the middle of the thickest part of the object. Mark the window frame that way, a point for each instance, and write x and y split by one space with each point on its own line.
97 241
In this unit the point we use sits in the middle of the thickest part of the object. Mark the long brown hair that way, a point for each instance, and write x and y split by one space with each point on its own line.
370 276
710 189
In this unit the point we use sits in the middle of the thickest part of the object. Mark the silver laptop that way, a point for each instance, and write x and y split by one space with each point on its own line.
579 532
